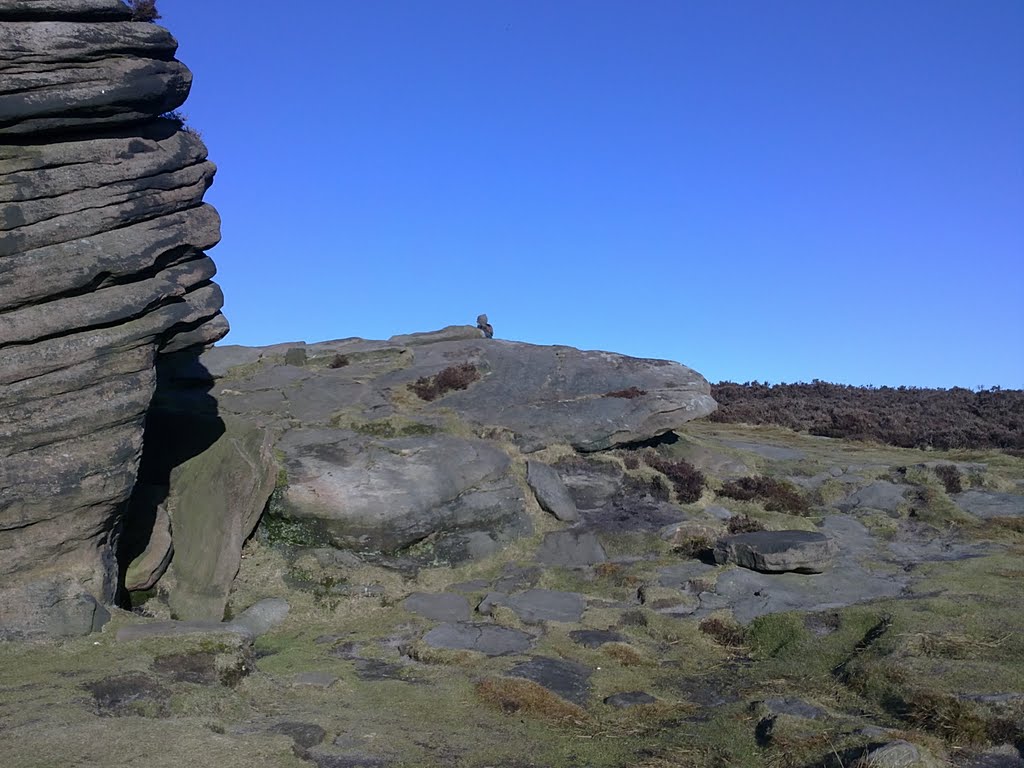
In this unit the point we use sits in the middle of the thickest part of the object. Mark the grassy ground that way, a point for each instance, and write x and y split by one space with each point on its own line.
933 666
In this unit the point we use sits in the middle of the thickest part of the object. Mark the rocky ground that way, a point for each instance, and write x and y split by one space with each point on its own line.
646 620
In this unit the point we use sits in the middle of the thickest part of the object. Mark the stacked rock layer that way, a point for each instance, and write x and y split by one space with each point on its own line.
102 270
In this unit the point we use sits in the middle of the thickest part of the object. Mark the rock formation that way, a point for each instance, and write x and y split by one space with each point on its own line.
409 447
102 274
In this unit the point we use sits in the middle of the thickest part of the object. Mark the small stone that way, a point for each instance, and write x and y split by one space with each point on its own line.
790 706
314 679
438 607
895 754
628 699
262 616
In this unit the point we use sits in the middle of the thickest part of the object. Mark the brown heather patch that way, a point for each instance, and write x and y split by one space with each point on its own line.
906 417
626 655
723 631
744 524
777 495
628 394
685 478
450 379
513 695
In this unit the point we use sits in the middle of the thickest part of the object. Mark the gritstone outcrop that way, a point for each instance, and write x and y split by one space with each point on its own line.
102 273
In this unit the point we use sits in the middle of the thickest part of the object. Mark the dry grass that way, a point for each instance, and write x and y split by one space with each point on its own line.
626 655
725 632
517 696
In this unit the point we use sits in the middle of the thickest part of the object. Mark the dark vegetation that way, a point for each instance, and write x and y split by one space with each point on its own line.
686 479
906 417
724 631
950 476
628 394
450 379
777 495
744 524
339 361
144 10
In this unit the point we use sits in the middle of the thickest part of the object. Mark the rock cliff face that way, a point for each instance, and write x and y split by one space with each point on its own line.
102 273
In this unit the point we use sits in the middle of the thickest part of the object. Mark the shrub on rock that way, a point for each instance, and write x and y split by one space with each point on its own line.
454 377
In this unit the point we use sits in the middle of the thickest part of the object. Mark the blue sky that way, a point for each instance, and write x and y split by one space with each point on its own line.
770 190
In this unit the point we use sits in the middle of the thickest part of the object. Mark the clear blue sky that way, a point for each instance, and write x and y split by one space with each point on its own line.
773 190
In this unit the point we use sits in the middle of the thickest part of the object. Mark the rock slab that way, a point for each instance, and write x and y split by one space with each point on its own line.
777 551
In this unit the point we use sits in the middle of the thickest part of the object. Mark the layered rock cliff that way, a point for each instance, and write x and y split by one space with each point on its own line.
102 273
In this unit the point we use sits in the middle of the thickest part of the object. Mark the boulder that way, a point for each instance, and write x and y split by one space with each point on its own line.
551 493
881 495
777 551
216 499
387 495
146 568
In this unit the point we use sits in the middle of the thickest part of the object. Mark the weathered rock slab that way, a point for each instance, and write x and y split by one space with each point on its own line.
568 679
988 504
778 551
571 549
488 639
538 605
438 607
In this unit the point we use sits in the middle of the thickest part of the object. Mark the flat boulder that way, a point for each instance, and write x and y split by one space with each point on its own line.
438 607
568 679
595 638
537 605
778 551
571 549
988 504
488 639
